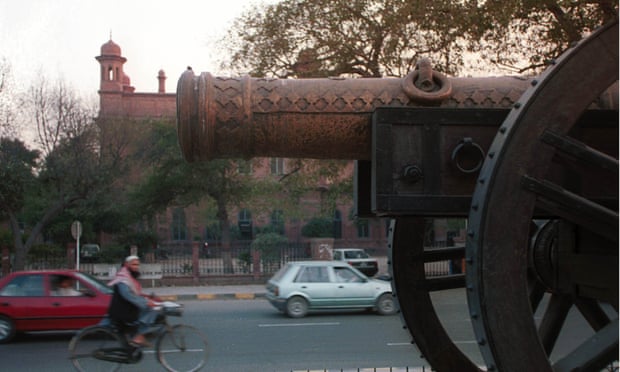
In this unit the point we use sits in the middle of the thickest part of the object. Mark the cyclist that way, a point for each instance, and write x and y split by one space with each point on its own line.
129 304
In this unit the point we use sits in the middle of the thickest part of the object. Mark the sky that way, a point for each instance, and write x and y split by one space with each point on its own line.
60 38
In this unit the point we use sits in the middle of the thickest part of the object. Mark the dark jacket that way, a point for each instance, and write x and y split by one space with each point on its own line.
121 309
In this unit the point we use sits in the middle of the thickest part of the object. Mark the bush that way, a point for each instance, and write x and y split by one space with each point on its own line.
318 227
112 254
46 250
269 245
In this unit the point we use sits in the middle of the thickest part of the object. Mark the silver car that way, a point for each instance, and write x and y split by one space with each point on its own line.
303 286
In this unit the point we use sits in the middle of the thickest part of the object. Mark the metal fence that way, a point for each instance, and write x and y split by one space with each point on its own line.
178 260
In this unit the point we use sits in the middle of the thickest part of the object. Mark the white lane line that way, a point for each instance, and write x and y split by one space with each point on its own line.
409 343
298 324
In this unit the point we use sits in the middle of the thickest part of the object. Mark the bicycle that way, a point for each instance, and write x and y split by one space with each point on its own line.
177 347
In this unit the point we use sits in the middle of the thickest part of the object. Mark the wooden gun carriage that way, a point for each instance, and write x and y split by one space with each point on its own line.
532 163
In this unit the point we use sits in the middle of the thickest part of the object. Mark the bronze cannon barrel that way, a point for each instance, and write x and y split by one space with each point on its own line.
328 118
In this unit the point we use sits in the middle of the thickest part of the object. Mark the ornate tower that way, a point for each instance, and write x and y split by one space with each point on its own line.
111 62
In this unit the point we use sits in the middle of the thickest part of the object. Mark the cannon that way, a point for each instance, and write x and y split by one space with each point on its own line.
532 163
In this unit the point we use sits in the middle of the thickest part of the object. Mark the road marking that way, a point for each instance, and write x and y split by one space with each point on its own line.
298 324
409 343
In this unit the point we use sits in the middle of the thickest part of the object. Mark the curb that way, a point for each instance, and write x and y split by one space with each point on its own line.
212 296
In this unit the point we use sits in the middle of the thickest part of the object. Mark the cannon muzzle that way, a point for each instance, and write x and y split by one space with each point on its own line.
329 118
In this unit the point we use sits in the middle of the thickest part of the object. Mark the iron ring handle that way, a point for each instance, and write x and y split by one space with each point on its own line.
467 142
417 94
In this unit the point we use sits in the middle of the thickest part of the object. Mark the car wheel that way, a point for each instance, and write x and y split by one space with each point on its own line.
7 329
386 304
296 307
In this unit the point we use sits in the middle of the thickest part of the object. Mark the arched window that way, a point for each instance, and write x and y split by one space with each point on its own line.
179 227
363 230
245 224
337 224
277 221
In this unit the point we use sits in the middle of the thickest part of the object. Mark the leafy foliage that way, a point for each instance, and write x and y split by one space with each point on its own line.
71 169
303 38
318 227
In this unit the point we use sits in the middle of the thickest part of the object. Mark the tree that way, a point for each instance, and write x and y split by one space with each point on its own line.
8 108
523 36
172 182
17 167
387 37
73 166
336 37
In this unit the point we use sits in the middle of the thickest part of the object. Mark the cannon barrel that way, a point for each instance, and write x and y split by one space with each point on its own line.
329 118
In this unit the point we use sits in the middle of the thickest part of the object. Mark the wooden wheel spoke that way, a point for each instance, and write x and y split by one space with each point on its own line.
567 146
594 354
552 321
592 312
537 291
445 282
565 204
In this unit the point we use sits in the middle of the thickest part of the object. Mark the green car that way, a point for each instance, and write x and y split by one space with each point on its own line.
303 286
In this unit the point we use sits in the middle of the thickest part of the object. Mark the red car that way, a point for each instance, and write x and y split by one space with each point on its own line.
50 300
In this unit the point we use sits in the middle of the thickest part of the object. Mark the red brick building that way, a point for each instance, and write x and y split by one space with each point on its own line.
118 100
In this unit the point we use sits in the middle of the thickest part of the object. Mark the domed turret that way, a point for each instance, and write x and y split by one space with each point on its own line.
110 49
113 79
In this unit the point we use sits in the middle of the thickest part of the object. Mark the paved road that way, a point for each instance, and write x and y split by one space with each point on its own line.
250 335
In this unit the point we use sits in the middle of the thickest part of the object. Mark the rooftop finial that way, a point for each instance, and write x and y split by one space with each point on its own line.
110 34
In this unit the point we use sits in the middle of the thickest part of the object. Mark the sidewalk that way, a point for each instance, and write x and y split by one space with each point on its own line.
216 292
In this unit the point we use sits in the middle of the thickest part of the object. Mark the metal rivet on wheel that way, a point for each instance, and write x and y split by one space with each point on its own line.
517 105
481 341
534 82
502 130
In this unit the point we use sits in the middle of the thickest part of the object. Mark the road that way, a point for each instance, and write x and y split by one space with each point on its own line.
250 335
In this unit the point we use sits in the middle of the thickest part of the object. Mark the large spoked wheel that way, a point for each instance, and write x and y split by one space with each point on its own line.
87 347
183 348
541 165
413 291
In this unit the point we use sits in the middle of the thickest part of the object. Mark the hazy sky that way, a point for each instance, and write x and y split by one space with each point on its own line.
62 37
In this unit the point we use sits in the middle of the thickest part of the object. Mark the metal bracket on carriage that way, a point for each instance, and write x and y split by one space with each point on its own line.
468 156
425 85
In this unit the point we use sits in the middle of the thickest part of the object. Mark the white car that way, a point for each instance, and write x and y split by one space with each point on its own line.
303 286
358 258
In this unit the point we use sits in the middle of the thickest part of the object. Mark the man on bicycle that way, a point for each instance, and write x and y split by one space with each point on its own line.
129 304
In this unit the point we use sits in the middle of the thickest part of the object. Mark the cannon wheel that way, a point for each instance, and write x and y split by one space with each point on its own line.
514 186
412 289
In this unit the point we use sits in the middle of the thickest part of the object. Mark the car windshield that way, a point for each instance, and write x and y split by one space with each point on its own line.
95 283
355 254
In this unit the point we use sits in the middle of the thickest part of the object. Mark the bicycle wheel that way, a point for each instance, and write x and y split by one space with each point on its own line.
182 348
87 347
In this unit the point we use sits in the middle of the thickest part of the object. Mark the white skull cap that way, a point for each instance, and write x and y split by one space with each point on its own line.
131 258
